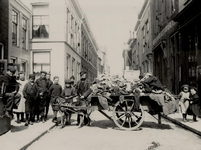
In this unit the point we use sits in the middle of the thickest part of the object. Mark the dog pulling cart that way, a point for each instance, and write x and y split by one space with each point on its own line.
127 110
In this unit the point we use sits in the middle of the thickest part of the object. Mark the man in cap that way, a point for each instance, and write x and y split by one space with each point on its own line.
82 89
42 84
50 83
11 97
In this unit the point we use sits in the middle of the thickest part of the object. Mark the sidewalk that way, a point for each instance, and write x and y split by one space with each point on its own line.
20 136
190 125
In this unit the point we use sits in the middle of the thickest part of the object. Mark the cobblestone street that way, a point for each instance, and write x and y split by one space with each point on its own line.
104 135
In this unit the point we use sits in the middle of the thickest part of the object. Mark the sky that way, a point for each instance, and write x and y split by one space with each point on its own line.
111 22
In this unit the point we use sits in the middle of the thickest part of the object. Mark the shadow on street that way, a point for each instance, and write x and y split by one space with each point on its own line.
154 125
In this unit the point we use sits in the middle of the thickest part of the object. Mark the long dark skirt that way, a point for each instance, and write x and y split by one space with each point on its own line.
194 109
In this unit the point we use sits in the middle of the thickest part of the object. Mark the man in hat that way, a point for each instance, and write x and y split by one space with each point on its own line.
42 84
82 88
50 83
12 97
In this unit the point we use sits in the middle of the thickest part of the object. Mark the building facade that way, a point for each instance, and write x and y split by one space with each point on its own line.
56 38
89 48
165 66
4 11
144 37
19 36
15 34
189 41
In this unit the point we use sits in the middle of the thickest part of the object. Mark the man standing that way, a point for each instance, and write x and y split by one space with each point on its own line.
42 84
48 98
11 97
82 89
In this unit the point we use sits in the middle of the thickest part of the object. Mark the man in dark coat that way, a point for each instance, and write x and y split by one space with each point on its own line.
42 84
50 83
82 89
11 97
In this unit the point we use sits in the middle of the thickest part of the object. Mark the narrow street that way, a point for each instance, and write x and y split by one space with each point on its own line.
104 135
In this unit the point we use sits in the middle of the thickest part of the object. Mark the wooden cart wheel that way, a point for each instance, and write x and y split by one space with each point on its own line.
126 117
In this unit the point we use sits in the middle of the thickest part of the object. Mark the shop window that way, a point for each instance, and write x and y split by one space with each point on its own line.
24 32
40 21
14 27
41 61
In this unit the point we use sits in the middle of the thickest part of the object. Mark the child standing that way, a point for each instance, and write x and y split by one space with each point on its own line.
183 102
54 92
21 108
67 93
30 93
194 108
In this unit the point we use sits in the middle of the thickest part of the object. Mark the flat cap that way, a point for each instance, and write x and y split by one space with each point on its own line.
32 76
21 72
43 72
185 85
83 72
192 87
68 81
11 68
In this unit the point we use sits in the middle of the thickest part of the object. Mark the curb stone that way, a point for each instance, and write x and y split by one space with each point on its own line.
182 125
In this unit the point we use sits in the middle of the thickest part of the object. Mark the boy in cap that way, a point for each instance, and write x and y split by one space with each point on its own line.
54 92
68 93
30 93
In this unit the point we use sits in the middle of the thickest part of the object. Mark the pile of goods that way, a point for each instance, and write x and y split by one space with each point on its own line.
107 86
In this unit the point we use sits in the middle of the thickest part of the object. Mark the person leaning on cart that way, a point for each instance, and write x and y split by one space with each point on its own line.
82 89
11 97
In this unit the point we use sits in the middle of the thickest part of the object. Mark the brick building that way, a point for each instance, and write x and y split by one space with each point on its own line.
188 44
14 34
4 11
19 35
165 37
89 48
143 28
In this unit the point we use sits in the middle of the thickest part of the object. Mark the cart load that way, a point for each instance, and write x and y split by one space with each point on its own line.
126 99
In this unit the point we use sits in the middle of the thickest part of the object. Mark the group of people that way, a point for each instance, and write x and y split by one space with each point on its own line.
30 100
189 102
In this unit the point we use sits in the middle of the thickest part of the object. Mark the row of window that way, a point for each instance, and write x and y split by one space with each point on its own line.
15 29
73 68
87 51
